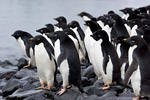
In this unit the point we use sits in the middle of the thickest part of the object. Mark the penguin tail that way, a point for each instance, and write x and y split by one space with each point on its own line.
80 87
121 83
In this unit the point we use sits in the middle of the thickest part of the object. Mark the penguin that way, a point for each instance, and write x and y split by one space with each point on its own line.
50 27
146 35
27 46
45 62
92 47
122 50
118 26
127 13
75 26
68 62
139 70
43 31
101 20
111 64
85 16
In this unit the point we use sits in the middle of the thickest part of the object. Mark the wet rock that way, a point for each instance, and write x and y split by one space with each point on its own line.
110 94
85 81
94 90
98 82
7 72
86 97
92 80
127 95
32 95
11 86
21 63
89 72
69 95
26 72
2 83
5 63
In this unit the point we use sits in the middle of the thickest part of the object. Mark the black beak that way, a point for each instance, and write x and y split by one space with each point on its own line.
12 35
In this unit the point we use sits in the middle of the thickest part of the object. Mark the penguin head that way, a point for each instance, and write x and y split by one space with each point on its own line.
61 19
93 25
127 10
73 24
120 39
19 33
61 35
100 34
109 22
102 18
135 40
43 30
85 14
37 39
50 27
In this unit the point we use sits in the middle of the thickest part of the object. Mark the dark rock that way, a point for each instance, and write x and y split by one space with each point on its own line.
26 72
11 86
110 94
69 95
115 98
21 63
30 79
31 95
2 83
92 80
89 72
127 95
98 82
93 90
85 81
7 72
86 97
27 87
5 63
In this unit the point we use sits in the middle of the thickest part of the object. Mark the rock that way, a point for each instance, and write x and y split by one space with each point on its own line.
21 63
11 86
26 72
69 95
116 98
7 72
86 97
127 95
110 94
89 72
98 82
94 90
2 83
33 95
92 80
5 63
85 81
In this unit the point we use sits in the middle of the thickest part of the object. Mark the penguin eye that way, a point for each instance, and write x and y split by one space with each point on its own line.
66 32
99 35
133 41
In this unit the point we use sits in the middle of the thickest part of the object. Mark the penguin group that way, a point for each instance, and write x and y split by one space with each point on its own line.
118 47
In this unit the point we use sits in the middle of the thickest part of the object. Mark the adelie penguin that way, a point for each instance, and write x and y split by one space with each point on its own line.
27 46
139 69
75 26
68 62
111 65
44 58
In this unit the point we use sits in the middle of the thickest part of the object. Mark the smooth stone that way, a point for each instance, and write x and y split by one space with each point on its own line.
98 82
94 90
21 63
7 72
85 81
110 94
11 86
89 72
5 63
26 72
2 83
70 94
86 97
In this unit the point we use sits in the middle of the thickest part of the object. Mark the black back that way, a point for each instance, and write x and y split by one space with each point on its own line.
25 36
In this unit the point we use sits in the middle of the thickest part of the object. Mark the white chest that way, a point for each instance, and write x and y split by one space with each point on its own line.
22 45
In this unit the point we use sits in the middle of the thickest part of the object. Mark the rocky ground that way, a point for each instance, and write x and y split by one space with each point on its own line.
17 83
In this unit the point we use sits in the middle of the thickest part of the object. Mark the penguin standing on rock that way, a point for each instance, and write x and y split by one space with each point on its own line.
139 69
27 46
111 65
68 62
44 58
